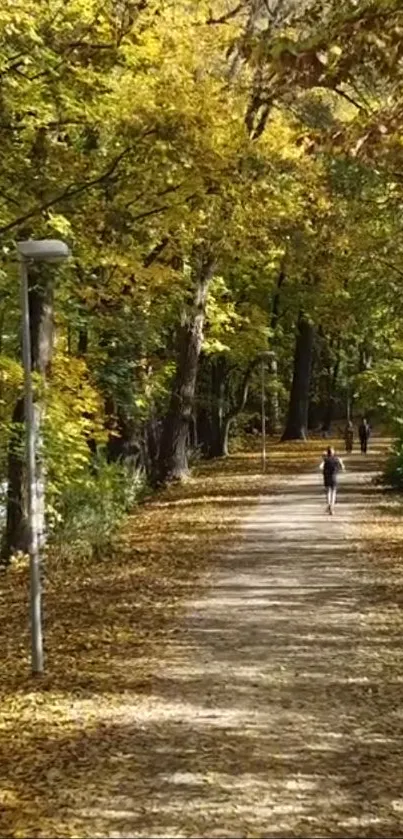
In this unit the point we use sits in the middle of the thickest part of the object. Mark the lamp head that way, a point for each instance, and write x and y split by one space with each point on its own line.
43 250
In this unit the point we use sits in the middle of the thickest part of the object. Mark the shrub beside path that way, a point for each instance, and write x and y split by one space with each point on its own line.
269 704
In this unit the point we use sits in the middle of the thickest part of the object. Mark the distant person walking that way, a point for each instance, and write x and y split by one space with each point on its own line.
331 466
349 437
363 433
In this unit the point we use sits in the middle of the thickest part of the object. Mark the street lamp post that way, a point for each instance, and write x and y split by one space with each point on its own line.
44 250
263 396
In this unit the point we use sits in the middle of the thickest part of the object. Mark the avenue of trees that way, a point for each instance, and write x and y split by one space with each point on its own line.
229 178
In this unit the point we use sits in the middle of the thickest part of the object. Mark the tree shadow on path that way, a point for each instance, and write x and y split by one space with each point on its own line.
275 711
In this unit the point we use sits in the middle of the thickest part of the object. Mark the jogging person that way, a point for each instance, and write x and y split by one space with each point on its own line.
363 433
331 466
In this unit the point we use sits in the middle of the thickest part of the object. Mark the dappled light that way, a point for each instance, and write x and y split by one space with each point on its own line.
201 265
234 670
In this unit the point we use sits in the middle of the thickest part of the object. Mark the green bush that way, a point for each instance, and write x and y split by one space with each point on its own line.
89 513
393 474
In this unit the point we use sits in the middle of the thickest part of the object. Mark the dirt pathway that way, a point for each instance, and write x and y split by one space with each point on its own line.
278 710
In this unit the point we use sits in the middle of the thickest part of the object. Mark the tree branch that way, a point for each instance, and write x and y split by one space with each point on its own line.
157 195
71 191
275 311
388 265
243 390
350 99
227 16
155 252
154 212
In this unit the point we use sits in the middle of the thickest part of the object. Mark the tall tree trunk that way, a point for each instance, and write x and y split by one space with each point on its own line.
173 463
41 327
329 410
220 437
192 433
219 376
275 309
297 418
273 413
16 537
223 439
212 397
365 359
82 343
204 431
151 442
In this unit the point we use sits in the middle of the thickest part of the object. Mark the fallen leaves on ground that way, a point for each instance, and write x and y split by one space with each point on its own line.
381 538
106 623
98 746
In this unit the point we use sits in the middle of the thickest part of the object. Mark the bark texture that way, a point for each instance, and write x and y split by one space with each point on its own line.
297 417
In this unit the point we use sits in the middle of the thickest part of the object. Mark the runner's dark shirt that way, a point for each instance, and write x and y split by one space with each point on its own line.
331 468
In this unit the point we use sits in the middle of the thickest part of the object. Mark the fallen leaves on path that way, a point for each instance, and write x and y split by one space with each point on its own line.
106 623
101 728
381 537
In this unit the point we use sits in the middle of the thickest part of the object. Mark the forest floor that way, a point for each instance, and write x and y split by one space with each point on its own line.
234 670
